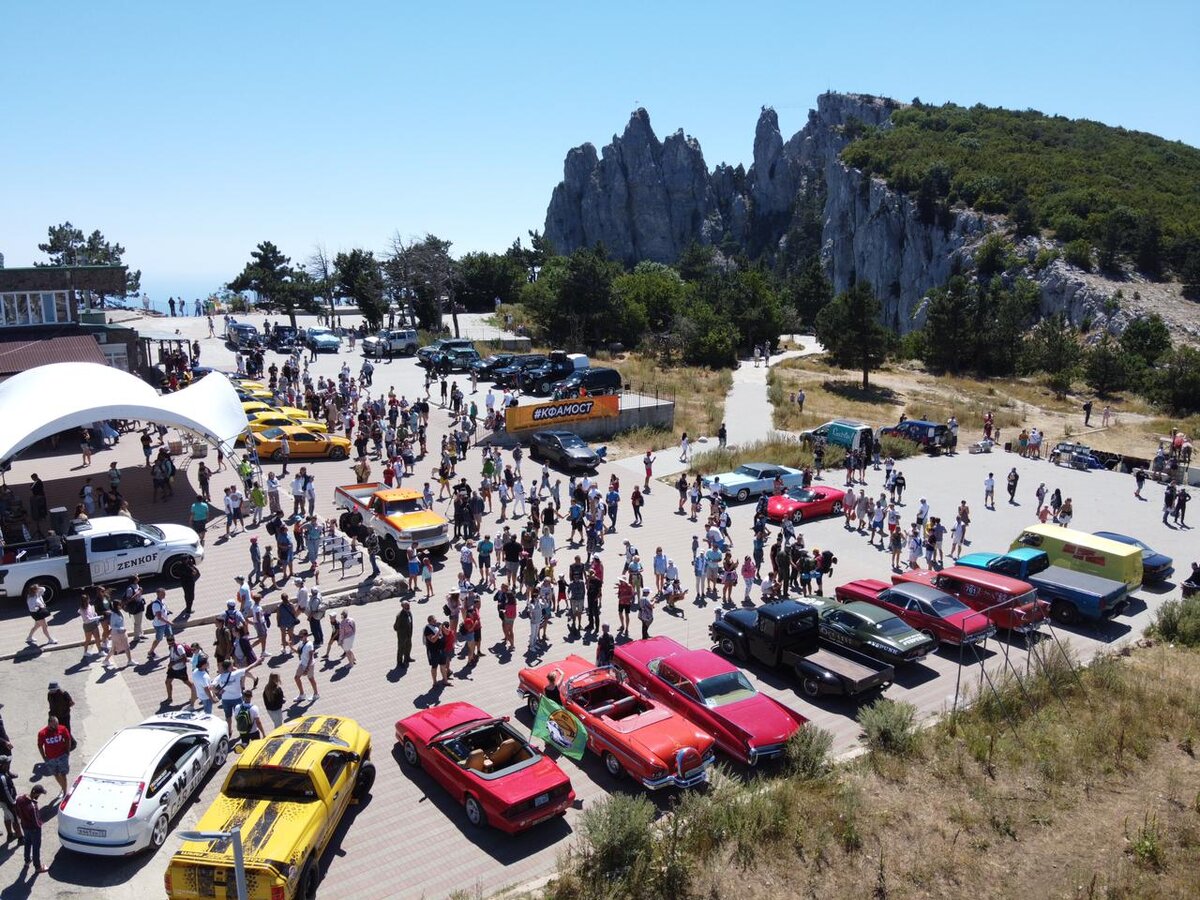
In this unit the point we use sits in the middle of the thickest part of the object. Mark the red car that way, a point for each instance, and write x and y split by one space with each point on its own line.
1009 602
930 611
713 693
630 732
487 765
800 503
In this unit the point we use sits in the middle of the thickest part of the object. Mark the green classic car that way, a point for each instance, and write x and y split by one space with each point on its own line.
871 630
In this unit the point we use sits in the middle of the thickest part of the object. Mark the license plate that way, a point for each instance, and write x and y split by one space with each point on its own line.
541 800
93 832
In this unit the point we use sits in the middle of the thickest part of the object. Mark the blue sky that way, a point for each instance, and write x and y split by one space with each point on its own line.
189 132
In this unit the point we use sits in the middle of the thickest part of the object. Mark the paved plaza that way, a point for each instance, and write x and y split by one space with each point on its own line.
410 839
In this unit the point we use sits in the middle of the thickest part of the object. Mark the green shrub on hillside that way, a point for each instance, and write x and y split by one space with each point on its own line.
1130 194
1178 621
890 727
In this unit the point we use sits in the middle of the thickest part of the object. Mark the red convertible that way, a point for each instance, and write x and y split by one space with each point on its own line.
800 503
930 611
713 693
485 764
630 732
1009 602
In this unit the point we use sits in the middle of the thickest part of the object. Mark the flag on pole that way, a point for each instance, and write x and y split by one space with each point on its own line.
560 728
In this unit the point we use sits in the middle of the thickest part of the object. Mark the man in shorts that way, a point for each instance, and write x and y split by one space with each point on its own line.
54 744
177 669
306 656
247 718
200 517
160 618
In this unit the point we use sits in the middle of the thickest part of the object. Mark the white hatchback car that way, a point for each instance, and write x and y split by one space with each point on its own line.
126 797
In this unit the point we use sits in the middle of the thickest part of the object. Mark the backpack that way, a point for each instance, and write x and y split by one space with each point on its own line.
243 720
316 606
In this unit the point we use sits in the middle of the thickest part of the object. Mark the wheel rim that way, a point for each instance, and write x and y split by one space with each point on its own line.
743 495
159 835
811 688
221 753
726 646
612 764
410 753
797 517
474 812
837 508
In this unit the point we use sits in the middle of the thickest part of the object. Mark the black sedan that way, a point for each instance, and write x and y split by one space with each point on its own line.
563 448
489 365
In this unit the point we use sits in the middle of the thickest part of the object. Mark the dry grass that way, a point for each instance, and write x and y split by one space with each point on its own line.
1075 786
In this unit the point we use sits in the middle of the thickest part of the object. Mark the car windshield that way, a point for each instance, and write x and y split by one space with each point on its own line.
262 783
399 507
151 530
891 626
571 440
729 687
1039 563
748 471
272 433
803 495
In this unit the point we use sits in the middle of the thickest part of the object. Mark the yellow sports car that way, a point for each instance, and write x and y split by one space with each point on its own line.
302 444
287 793
294 412
252 393
264 420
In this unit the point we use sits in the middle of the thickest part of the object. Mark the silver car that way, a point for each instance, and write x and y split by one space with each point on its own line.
126 798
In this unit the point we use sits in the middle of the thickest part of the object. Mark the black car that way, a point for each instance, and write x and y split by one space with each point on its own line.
489 365
456 359
597 382
563 448
540 379
509 375
284 338
441 345
930 436
242 335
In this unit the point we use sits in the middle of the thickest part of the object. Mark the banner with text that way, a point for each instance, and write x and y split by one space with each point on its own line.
560 412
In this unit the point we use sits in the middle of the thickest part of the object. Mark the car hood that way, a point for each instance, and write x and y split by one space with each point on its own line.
759 717
414 520
580 452
968 621
177 534
326 339
270 830
729 479
664 736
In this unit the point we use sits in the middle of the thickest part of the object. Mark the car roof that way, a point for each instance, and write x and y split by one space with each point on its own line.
399 494
918 591
868 610
986 577
107 525
132 751
700 664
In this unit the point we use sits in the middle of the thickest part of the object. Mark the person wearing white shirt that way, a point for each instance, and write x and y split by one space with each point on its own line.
202 685
230 683
518 498
310 494
298 488
989 491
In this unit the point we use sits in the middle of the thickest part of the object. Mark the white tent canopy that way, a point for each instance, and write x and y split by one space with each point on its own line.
38 403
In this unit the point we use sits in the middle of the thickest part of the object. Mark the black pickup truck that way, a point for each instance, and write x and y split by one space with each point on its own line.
787 633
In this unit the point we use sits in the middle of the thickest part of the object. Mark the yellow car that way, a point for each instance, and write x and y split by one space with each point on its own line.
264 420
249 384
302 444
295 412
286 793
253 393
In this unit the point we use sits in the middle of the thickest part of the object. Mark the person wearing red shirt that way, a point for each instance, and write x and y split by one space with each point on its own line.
54 744
30 817
449 638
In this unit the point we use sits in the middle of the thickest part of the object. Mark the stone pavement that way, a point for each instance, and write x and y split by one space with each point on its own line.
410 839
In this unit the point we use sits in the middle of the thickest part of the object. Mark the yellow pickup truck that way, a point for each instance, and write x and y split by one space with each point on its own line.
398 515
286 794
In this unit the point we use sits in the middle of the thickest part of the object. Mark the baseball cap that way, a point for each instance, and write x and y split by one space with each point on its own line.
53 686
231 603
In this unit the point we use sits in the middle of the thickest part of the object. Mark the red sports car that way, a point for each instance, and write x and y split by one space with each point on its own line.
800 503
935 613
630 732
713 693
1010 603
487 765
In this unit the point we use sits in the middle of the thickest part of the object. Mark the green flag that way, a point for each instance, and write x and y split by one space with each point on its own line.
560 729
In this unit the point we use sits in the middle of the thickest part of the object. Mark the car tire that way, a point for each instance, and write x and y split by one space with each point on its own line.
613 765
811 686
743 495
159 831
544 388
175 567
409 750
343 521
337 453
50 586
1064 613
475 814
797 516
837 507
310 880
532 702
364 781
937 642
390 551
729 648
277 456
221 753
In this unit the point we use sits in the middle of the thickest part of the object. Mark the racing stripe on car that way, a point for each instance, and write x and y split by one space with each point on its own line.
266 751
329 725
293 754
260 832
236 821
305 724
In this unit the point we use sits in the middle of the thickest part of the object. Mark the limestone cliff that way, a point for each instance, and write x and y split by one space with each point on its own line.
646 199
